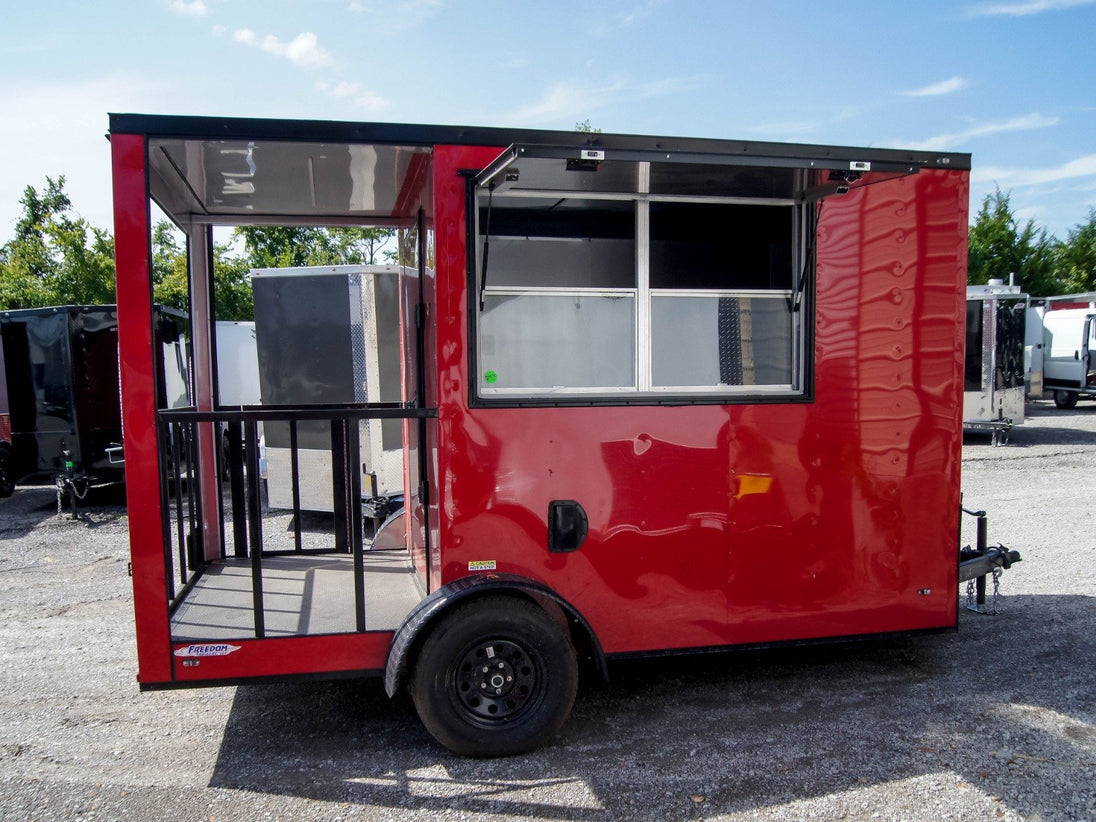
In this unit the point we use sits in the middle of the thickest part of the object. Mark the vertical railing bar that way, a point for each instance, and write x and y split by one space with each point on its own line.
251 450
354 501
236 481
163 434
222 451
296 471
193 504
174 432
198 515
339 492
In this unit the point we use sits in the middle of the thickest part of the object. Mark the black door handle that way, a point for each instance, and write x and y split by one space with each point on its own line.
567 526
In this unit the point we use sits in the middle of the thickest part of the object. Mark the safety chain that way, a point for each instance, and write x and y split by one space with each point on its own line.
63 485
972 605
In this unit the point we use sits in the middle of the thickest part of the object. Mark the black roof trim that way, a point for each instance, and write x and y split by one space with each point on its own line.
236 128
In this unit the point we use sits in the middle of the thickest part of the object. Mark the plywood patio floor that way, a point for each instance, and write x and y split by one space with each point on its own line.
309 594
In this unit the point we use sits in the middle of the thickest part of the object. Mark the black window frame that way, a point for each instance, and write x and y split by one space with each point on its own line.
801 300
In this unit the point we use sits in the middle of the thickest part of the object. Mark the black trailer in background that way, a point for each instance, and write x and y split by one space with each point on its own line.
61 365
7 480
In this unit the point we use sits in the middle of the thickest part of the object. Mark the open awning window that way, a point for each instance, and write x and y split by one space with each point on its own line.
531 168
643 276
206 181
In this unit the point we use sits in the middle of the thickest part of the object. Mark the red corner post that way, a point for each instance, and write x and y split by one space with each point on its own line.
132 258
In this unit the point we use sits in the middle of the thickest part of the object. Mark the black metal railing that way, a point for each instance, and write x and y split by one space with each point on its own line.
235 435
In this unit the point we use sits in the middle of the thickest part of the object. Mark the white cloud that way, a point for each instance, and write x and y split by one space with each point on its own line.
953 141
949 86
388 19
574 101
1003 176
1024 9
341 89
58 128
304 50
642 11
565 101
365 101
1034 213
783 131
419 9
190 8
371 103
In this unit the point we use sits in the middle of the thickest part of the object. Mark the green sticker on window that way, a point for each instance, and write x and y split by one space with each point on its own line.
490 377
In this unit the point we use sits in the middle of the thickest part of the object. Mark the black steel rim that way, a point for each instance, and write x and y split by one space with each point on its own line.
497 681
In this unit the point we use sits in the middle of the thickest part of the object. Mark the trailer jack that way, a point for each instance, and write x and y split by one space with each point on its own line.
975 563
66 483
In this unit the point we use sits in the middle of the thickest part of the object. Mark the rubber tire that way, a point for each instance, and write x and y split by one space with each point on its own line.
1065 399
519 624
7 481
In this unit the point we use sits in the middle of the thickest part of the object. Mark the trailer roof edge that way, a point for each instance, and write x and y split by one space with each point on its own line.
234 128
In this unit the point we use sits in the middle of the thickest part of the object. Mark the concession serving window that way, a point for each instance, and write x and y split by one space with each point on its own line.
645 277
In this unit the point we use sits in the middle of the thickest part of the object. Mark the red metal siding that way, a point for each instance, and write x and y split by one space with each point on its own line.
136 364
740 523
283 656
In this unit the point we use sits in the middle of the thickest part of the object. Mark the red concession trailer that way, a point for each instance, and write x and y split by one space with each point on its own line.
658 395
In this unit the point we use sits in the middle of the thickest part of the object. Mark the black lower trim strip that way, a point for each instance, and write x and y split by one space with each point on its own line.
787 643
364 673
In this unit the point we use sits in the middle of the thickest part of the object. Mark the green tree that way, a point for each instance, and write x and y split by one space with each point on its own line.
363 246
232 285
1077 256
1000 247
170 281
263 247
282 246
290 246
56 257
169 267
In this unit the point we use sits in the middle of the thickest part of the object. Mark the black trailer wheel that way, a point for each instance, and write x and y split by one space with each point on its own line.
495 677
1065 399
7 471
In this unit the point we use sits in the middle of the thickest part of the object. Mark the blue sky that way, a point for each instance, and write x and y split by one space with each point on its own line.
1011 81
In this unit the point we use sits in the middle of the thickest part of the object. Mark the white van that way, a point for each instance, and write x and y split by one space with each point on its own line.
1069 355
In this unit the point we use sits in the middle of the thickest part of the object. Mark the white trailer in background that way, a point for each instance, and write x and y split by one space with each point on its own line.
1069 354
237 363
995 366
1033 351
306 319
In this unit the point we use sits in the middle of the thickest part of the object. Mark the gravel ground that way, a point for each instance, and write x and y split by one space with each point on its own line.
997 721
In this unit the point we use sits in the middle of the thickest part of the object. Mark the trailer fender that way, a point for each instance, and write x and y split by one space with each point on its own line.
417 623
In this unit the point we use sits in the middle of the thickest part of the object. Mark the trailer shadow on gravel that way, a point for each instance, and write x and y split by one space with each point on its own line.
1021 437
33 505
1000 713
1044 425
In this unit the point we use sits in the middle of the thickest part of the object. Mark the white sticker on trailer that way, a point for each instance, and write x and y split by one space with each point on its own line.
481 565
212 649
